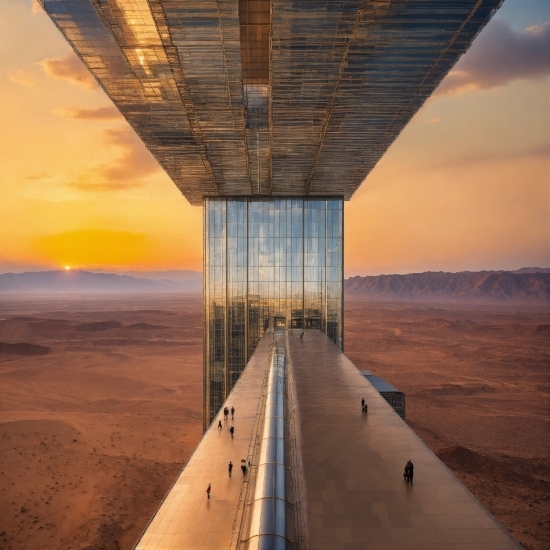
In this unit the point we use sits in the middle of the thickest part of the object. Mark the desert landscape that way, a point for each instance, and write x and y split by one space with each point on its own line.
100 406
476 380
95 431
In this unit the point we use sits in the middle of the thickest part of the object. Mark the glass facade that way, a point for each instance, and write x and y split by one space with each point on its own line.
277 260
269 97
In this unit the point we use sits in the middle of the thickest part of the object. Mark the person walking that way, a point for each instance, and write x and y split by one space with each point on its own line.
208 490
230 468
243 468
219 424
225 413
411 472
232 413
362 403
408 474
232 431
302 336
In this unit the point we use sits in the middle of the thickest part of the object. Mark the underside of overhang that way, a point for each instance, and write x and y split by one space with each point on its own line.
269 97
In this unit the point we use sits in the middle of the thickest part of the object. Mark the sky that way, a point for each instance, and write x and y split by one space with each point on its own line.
465 187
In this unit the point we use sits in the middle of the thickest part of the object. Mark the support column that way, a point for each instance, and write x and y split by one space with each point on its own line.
266 259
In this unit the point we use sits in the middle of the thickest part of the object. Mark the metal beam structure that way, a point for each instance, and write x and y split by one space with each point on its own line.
269 97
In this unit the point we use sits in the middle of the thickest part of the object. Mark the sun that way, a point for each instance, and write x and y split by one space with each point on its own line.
67 267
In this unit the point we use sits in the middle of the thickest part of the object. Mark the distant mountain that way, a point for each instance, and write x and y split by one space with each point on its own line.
484 285
86 282
171 275
532 284
532 270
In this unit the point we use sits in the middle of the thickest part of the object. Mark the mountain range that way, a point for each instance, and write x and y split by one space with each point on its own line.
531 284
87 282
171 275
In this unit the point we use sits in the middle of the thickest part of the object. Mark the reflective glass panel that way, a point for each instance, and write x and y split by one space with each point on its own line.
268 262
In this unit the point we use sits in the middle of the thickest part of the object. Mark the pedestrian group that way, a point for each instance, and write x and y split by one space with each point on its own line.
408 474
244 466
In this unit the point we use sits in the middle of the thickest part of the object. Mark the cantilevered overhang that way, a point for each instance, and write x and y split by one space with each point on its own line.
247 97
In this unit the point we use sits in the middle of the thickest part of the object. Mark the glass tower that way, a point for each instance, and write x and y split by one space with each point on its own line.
267 260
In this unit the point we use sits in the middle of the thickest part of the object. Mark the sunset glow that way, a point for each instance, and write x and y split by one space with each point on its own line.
465 186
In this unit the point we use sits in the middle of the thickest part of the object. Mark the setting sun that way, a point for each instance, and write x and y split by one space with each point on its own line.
67 267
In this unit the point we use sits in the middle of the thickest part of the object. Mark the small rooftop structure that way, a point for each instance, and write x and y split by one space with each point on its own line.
392 395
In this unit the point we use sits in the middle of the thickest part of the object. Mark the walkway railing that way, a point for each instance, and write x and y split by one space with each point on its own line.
268 518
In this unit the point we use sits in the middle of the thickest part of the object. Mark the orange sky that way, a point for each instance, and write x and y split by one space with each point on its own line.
465 186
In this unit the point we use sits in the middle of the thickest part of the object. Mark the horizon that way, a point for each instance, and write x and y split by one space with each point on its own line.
463 188
126 272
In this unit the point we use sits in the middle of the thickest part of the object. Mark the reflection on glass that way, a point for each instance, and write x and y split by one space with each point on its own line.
267 259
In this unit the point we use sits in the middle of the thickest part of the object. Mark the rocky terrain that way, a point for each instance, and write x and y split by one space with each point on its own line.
524 285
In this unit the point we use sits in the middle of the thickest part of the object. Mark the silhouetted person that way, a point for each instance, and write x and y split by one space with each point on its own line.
243 468
365 408
230 468
232 431
362 403
208 490
411 472
219 424
232 413
408 474
225 413
302 336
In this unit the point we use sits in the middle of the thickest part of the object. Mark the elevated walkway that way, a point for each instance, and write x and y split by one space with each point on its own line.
188 519
345 470
353 467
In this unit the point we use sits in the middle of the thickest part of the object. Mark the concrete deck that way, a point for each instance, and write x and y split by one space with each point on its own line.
187 518
347 467
353 466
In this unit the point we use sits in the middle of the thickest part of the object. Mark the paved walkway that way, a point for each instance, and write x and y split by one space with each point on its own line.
353 464
187 518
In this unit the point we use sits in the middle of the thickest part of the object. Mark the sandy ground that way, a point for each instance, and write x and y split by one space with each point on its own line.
94 432
477 388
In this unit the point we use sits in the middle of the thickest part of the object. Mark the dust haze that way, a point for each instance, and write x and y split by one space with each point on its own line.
101 398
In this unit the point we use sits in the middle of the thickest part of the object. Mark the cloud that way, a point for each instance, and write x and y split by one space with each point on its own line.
95 186
129 171
498 56
540 151
69 68
49 187
38 176
97 113
22 78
